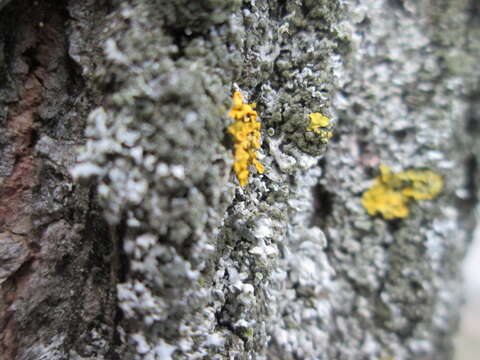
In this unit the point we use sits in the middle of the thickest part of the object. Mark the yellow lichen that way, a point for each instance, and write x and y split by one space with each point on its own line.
391 192
383 200
246 134
318 123
425 185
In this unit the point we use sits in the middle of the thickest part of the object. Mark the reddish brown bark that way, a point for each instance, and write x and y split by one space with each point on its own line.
56 295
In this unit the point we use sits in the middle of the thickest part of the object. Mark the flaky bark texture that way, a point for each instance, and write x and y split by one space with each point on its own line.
151 220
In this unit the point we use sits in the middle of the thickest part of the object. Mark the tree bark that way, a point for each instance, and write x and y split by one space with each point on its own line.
56 291
124 233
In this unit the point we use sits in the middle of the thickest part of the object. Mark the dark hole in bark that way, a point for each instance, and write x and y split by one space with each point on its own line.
400 135
473 114
396 4
282 8
30 56
336 137
394 225
472 174
322 204
473 9
415 286
357 108
34 137
62 265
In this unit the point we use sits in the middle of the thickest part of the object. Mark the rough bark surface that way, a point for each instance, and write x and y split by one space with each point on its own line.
56 292
288 267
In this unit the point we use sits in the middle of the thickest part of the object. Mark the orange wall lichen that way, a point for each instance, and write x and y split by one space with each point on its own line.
318 124
246 133
391 192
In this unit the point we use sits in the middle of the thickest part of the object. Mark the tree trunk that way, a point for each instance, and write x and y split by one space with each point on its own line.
124 233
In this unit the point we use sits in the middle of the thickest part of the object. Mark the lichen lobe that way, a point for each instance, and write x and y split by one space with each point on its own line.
246 134
392 192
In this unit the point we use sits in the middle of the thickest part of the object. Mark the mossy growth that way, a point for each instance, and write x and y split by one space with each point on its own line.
248 332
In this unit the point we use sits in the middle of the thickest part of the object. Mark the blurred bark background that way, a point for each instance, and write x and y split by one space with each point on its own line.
124 233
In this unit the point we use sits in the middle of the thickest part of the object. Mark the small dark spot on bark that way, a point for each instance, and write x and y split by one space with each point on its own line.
336 137
62 265
396 4
34 137
400 135
370 172
394 225
473 114
357 108
282 8
473 9
415 285
322 204
472 173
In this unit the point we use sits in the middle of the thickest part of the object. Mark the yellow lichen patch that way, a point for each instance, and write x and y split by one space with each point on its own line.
425 185
318 123
383 200
391 192
246 134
